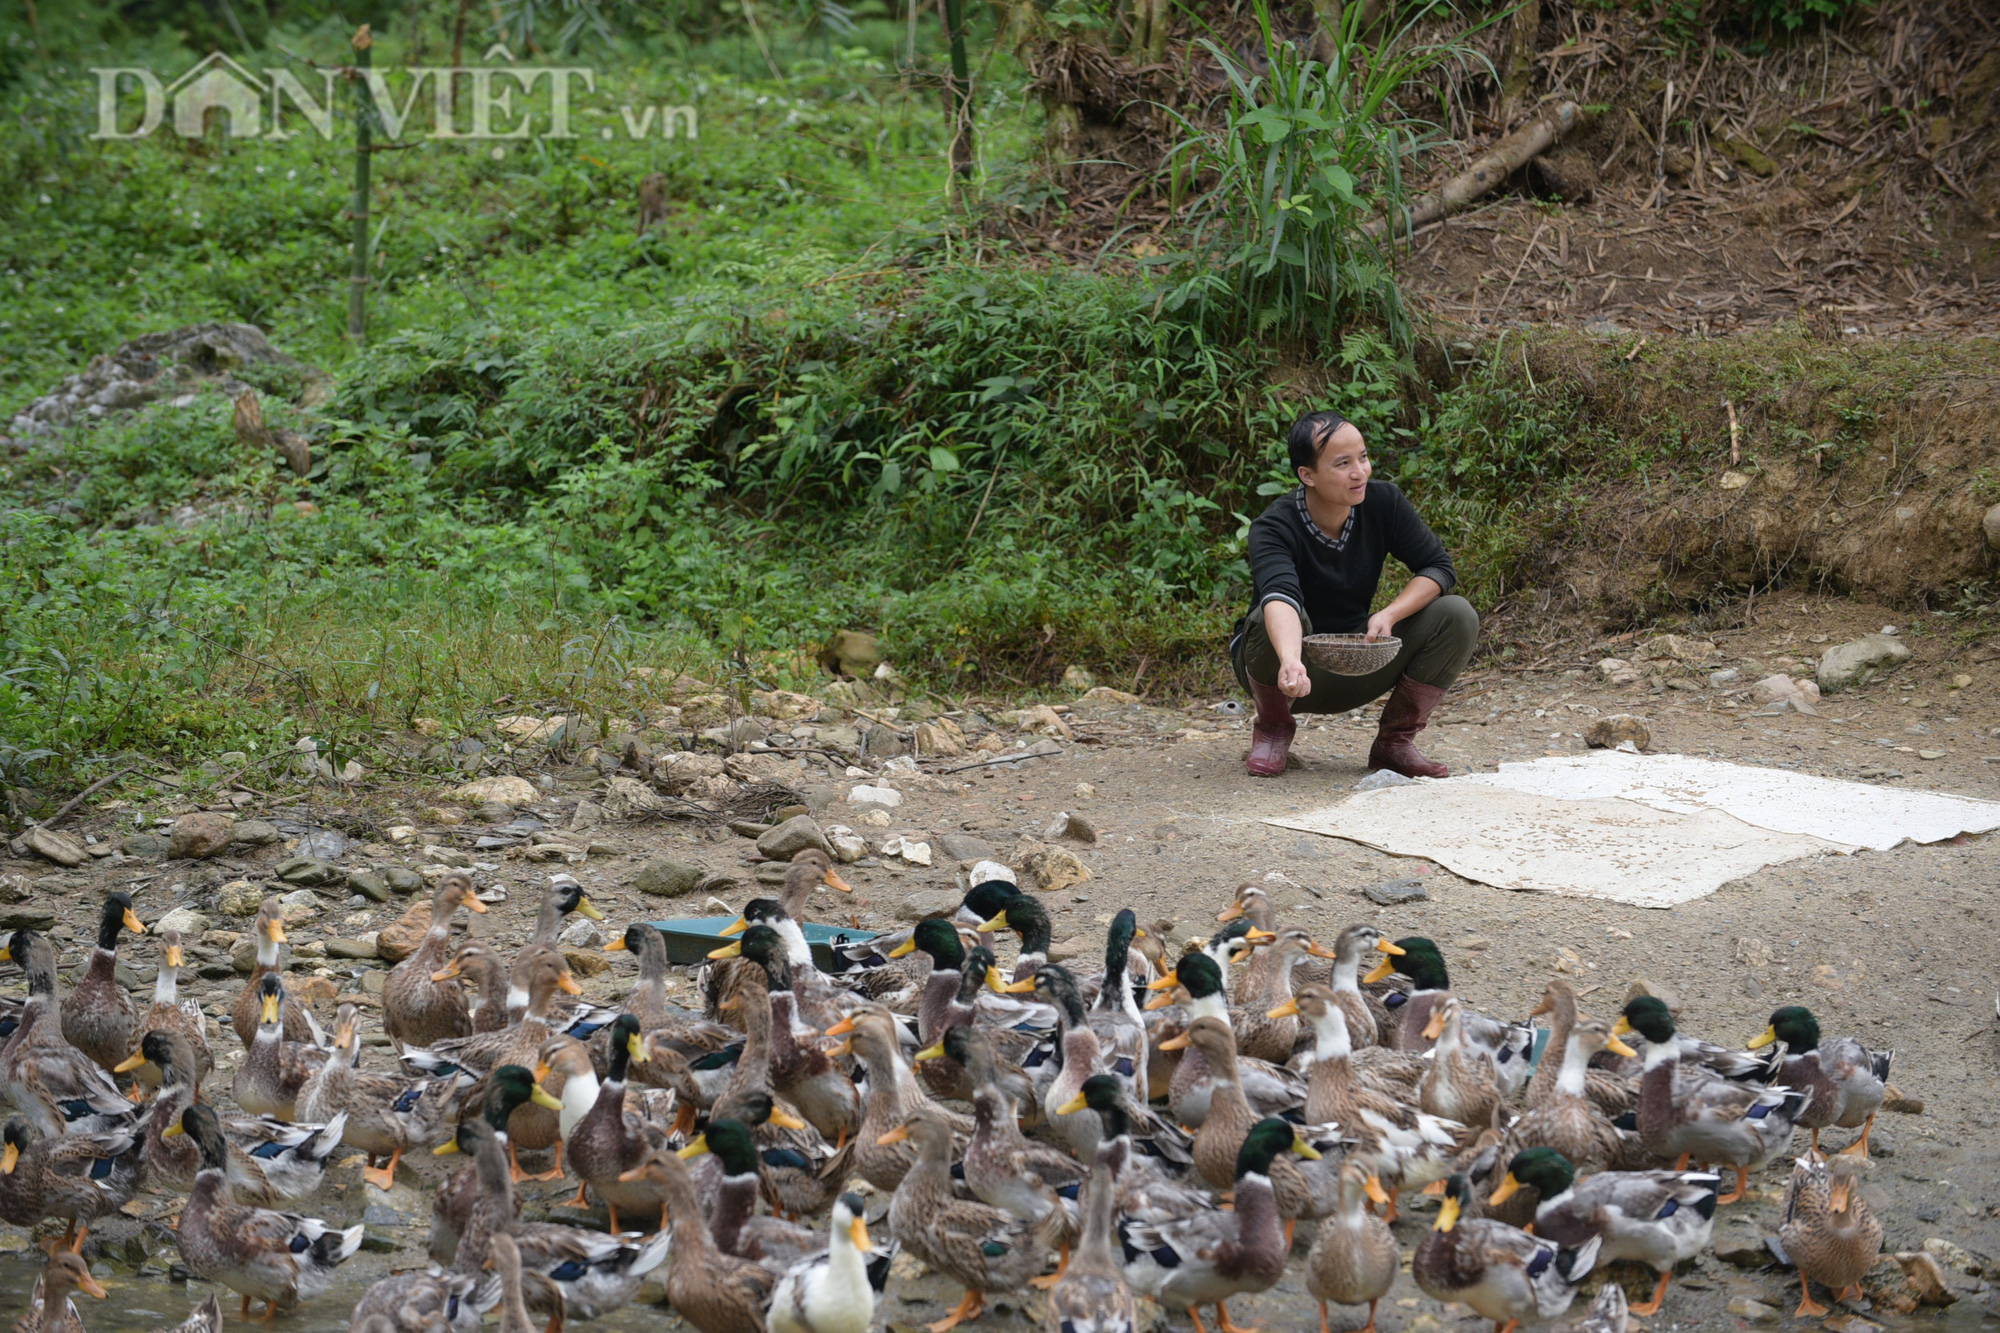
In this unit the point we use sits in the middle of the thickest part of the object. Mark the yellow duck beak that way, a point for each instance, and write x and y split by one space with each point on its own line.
449 972
1257 936
842 1028
1763 1039
8 1158
6 954
734 950
934 1052
473 904
1379 972
1436 1026
445 1149
1175 1043
857 1232
172 1131
541 1072
1160 1002
276 931
1230 913
1617 1047
129 1063
736 927
132 924
174 957
1623 1027
1842 1196
583 906
635 1046
833 881
541 1096
896 1135
1318 950
997 923
1375 1190
86 1283
616 946
1168 982
1025 986
271 1009
993 982
1289 1009
1508 1189
1447 1214
786 1120
907 947
567 984
1393 950
1304 1149
692 1151
1073 1105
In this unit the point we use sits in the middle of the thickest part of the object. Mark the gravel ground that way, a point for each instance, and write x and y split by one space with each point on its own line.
1895 948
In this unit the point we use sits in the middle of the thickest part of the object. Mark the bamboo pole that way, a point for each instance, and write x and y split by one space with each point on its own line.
958 90
1495 165
364 120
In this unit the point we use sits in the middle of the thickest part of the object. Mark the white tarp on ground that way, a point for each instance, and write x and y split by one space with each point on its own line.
1647 830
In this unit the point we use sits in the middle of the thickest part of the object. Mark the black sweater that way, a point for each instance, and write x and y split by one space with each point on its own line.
1331 579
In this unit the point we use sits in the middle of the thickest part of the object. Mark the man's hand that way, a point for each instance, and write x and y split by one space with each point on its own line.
1294 681
1381 625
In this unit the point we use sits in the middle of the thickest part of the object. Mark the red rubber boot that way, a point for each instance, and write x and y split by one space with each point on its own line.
1404 714
1271 734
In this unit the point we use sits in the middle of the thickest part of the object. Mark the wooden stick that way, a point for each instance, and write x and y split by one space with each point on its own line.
1495 165
1735 439
1660 149
83 796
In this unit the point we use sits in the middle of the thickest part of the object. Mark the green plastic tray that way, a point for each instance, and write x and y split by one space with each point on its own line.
691 938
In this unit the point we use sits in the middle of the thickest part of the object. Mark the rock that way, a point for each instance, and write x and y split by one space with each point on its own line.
401 835
1846 666
27 916
400 939
1957 1257
57 847
524 728
679 770
1664 994
704 711
1608 733
1742 1251
403 880
626 798
1618 671
493 812
1678 648
928 903
1755 1311
365 947
255 833
875 795
1076 946
1850 1323
239 897
369 885
784 705
441 814
771 872
1054 868
585 963
1105 694
1394 892
243 956
910 849
848 846
1771 689
793 836
145 846
1076 678
664 877
882 742
309 870
512 790
1991 525
1067 825
1721 679
311 990
851 652
962 847
188 922
1383 777
449 857
587 815
168 364
1042 720
581 934
1888 1287
940 736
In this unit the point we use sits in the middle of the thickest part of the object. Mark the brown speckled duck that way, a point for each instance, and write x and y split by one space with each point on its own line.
269 932
98 1017
417 1009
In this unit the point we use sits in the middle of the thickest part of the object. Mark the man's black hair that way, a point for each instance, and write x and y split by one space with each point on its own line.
1309 436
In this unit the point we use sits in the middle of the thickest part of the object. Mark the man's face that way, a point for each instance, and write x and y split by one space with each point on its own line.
1341 474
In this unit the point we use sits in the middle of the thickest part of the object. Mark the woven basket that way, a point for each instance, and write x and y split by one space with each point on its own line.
1350 654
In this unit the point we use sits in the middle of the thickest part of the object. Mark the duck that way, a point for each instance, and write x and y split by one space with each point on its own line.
1211 1256
810 868
482 965
1078 1058
1848 1082
1029 920
1658 1218
975 1244
423 1303
417 1009
98 1017
1830 1234
593 1273
1368 1014
714 1291
1394 1073
802 1171
648 1001
1461 1083
1711 1120
204 1318
563 896
1090 1294
937 939
50 1309
1301 1193
883 970
385 1116
610 1137
271 1075
1271 1089
452 1205
1003 1167
1511 1045
57 1087
281 1259
1501 1271
81 1177
979 977
1612 1093
893 1096
1354 1257
1114 1015
832 1291
1152 1185
735 1223
170 1013
506 1262
268 930
1250 904
1568 1121
1405 1146
269 1161
801 1070
1273 1039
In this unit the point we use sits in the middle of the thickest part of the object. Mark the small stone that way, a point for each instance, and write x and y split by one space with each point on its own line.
1742 1251
1957 1257
587 815
307 870
311 990
365 947
1042 720
512 790
190 923
1889 1288
57 847
962 847
493 812
1067 825
916 853
27 916
373 980
1991 526
865 794
1077 678
664 877
441 814
449 857
239 897
1474 944
401 835
1755 1311
1608 733
1395 892
1664 994
199 836
401 879
1725 677
772 872
1054 868
882 742
1383 777
145 846
369 885
784 705
795 835
1926 1277
1617 671
626 798
848 846
255 833
928 903
1859 661
243 956
582 934
1850 1323
940 736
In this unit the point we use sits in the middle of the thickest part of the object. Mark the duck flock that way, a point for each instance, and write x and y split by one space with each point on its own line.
1144 1126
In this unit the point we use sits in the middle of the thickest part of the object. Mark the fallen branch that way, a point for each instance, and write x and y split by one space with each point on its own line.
83 796
1499 162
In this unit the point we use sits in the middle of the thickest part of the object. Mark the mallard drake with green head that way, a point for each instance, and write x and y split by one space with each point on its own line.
1029 920
57 1087
417 1009
1511 1045
1153 1184
1830 1233
98 1017
1502 1272
1212 1256
1710 1121
1569 1121
50 1309
978 979
974 1244
735 1224
1115 1015
170 1013
1354 1257
886 972
1658 1218
1848 1082
1271 1089
278 1258
268 930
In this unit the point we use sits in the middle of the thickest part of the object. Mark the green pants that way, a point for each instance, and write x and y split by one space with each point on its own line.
1437 642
